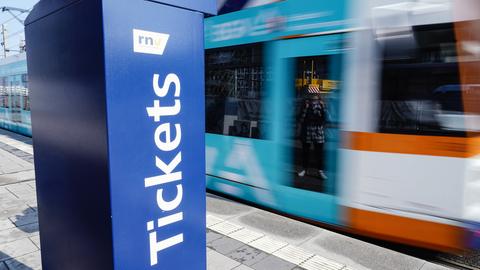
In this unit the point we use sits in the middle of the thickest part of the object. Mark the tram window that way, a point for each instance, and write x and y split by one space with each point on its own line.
3 92
234 88
421 91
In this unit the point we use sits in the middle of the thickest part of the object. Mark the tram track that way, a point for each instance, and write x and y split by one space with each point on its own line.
466 260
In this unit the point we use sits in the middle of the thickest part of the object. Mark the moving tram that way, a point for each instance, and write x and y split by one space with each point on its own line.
363 115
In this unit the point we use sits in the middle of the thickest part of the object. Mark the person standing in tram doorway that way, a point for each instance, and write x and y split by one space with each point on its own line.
312 121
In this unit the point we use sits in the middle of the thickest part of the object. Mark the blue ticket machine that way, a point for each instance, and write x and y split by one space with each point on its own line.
117 99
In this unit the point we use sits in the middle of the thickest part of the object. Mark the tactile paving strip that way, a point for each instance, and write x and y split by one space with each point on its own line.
226 228
245 235
211 220
267 244
293 254
321 263
282 250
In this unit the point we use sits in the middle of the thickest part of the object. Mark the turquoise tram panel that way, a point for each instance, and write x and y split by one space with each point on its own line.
275 21
252 84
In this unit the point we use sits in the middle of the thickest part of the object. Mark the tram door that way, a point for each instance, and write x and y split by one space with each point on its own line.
307 88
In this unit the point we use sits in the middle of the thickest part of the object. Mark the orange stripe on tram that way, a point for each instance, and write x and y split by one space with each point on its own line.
405 230
413 144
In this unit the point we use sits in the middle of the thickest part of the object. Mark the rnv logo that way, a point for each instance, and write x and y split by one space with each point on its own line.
149 42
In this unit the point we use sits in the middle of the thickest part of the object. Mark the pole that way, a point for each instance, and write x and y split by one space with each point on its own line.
4 41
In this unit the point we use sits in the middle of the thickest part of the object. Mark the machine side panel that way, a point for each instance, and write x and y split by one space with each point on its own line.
66 76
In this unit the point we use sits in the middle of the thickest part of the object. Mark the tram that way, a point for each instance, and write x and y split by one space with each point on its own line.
14 95
364 115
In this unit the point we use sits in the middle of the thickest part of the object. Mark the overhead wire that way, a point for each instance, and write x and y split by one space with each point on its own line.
19 19
15 33
9 20
13 18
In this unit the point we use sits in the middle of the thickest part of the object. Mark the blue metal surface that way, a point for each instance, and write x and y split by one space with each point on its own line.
46 7
132 147
205 6
109 187
70 138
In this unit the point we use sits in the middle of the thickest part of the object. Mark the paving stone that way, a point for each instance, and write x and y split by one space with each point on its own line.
3 190
217 261
10 161
17 233
30 261
32 204
20 187
13 211
273 262
242 267
224 207
431 266
29 160
30 199
282 228
225 245
16 249
6 224
212 236
13 203
359 254
11 178
20 153
36 240
32 184
247 255
12 169
22 190
6 196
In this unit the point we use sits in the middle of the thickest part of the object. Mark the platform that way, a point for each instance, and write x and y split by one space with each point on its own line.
239 237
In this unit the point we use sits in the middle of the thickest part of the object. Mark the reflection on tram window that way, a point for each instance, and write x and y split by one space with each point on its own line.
421 91
233 85
314 87
3 93
14 102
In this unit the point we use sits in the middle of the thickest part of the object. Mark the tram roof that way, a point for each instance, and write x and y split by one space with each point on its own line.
296 18
274 21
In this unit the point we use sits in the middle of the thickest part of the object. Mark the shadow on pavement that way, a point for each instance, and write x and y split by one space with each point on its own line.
27 221
11 263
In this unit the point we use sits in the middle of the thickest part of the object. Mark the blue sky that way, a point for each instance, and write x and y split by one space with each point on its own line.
14 28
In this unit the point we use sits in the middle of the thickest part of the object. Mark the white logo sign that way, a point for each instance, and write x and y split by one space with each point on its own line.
149 42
